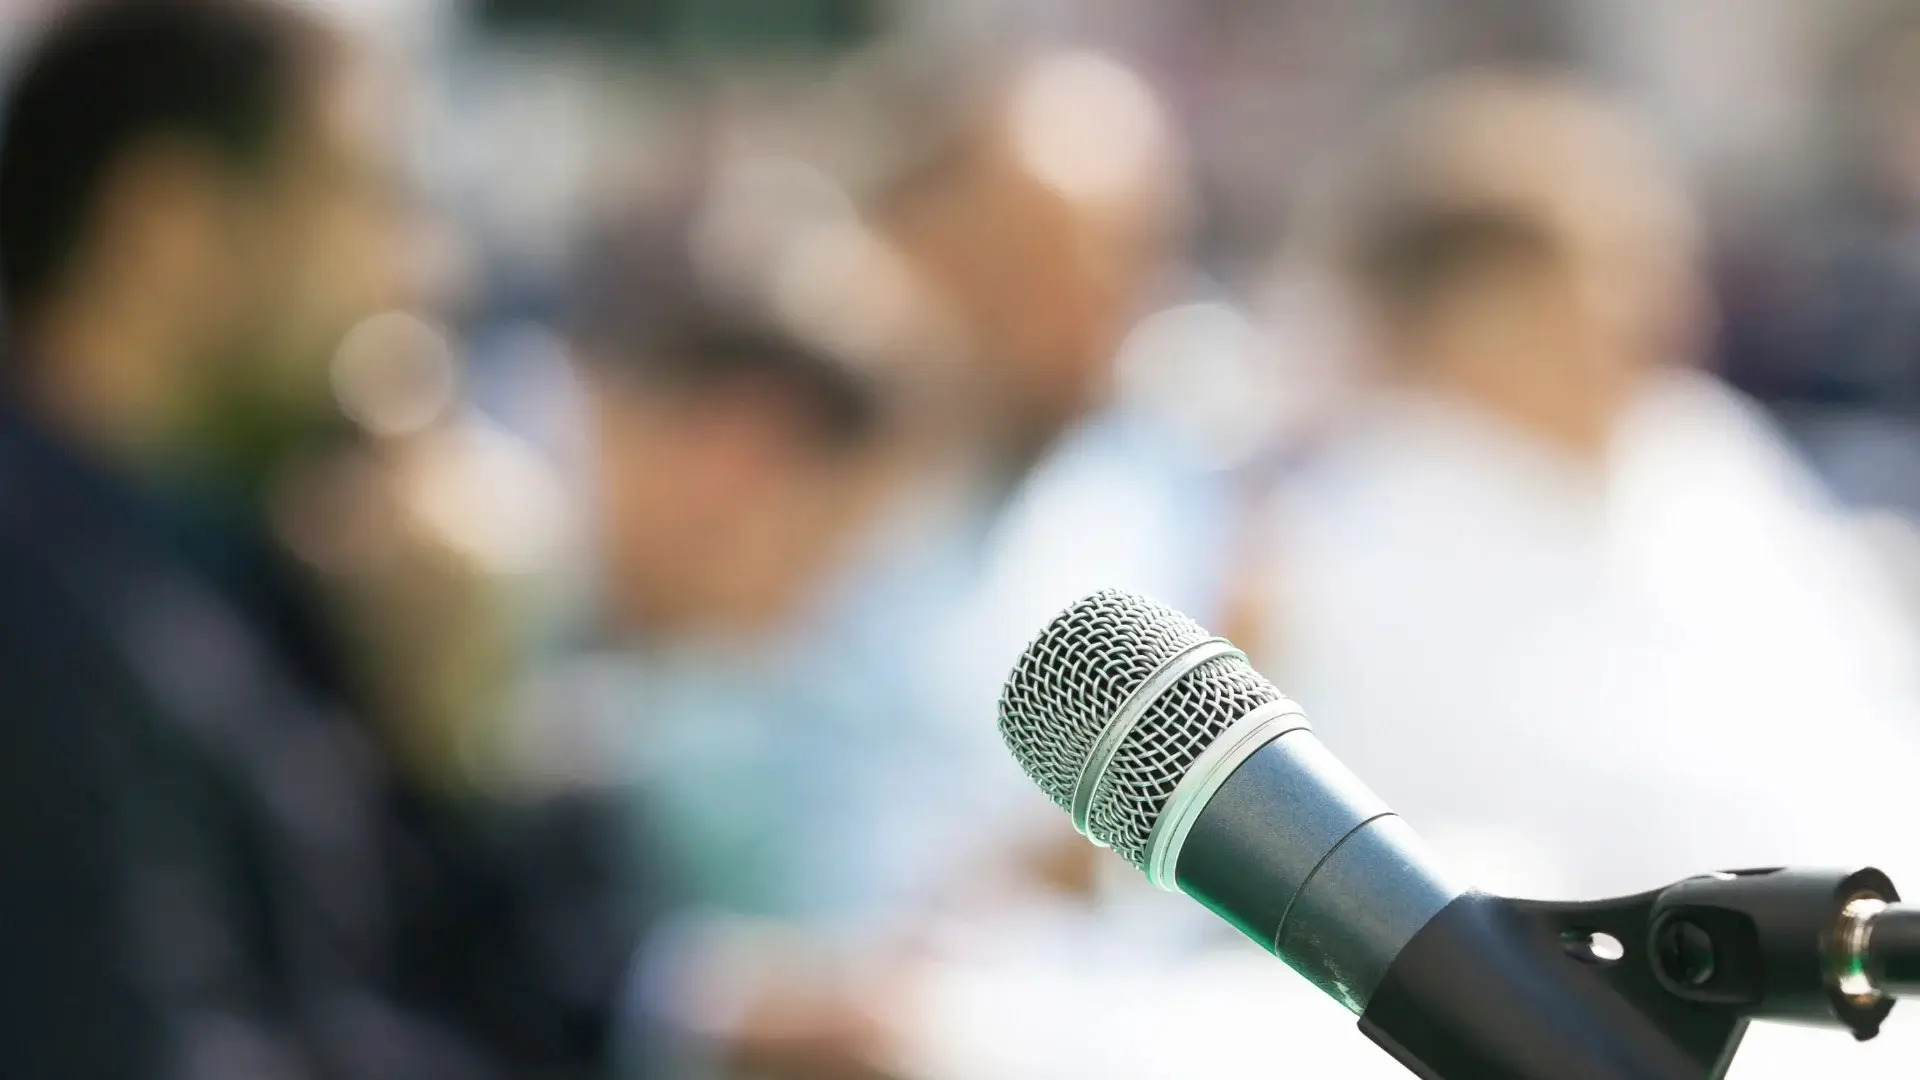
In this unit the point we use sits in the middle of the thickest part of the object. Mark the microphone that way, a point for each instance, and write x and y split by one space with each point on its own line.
1166 746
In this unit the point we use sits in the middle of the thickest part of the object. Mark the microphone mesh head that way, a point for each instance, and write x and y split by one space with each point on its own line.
1074 677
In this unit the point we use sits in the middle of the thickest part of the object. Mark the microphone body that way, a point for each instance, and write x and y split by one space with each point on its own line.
1337 893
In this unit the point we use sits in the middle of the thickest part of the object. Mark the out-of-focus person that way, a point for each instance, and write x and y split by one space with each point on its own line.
868 801
736 456
734 453
1071 160
1564 600
182 199
206 872
1046 220
427 552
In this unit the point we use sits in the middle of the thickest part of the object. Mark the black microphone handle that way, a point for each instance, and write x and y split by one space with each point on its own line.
1488 991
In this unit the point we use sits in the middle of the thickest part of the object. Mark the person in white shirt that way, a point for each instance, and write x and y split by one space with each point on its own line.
1564 601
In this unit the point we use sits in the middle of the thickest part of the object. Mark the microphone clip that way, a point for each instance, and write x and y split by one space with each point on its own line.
1658 986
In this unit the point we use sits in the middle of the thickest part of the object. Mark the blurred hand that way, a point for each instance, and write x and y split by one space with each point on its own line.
778 1003
796 1031
1067 865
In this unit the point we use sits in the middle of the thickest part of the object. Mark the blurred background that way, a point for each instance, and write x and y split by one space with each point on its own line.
732 388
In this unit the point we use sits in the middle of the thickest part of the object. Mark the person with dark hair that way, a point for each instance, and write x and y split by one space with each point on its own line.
740 444
1019 268
192 210
736 452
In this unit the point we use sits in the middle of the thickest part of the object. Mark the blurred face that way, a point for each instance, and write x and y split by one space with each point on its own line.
1047 285
1561 340
1631 262
1050 282
718 512
306 248
1513 334
330 223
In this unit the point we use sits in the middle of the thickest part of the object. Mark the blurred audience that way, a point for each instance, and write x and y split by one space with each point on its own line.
737 455
1048 221
210 871
1565 600
185 843
350 736
838 699
519 882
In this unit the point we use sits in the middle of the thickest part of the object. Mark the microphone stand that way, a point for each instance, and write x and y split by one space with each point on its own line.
1659 986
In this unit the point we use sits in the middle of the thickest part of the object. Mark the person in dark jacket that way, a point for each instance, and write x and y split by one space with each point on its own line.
206 872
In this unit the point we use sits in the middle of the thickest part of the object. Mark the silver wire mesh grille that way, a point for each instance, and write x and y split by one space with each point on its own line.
1156 755
1074 677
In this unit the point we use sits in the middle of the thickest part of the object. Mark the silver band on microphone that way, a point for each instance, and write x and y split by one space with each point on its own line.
1130 712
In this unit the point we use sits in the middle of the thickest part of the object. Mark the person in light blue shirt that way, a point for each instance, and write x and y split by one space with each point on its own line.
830 777
847 771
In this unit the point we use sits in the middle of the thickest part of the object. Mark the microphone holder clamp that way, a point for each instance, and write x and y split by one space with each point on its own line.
1658 986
